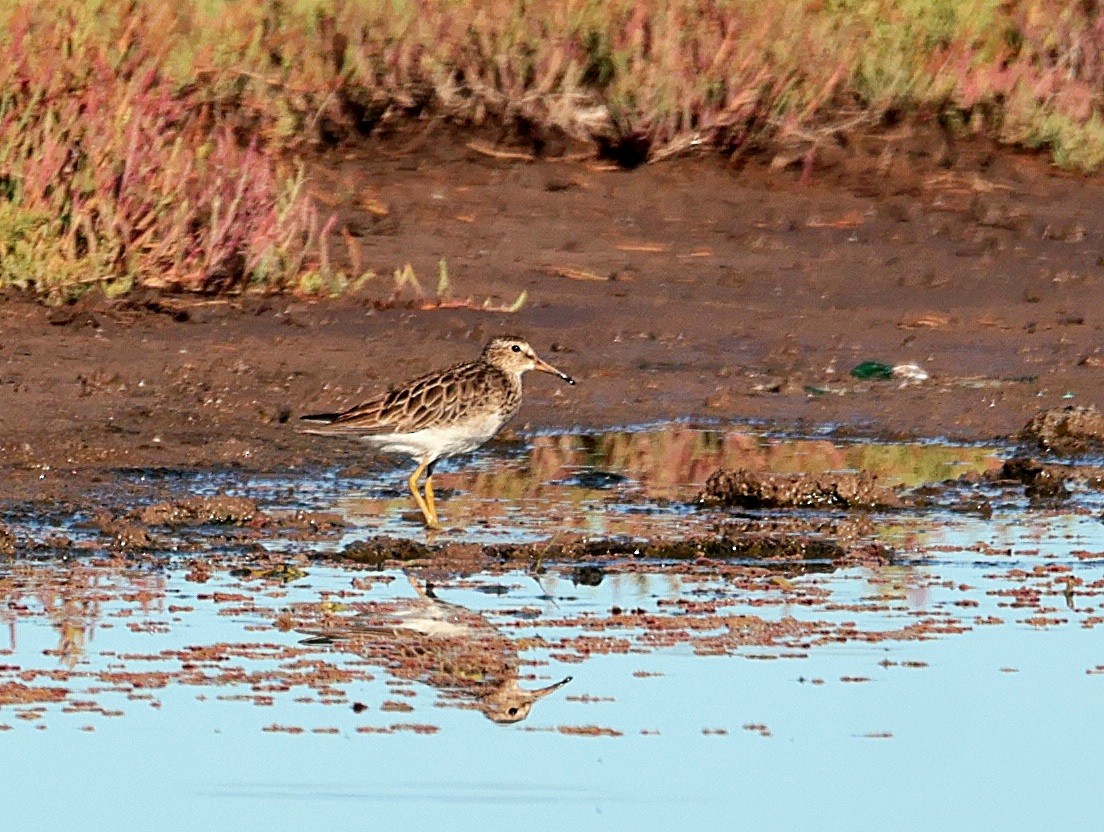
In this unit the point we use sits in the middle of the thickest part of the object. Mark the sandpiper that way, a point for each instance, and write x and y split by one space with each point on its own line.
454 649
442 414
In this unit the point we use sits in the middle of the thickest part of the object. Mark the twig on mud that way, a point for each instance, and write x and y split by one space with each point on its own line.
964 184
487 150
469 303
645 247
582 156
574 274
849 220
682 145
928 321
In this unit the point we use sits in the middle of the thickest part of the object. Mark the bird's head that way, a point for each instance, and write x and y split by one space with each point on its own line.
512 703
514 355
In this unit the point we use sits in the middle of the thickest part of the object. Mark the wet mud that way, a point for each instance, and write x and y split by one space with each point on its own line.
753 489
684 290
842 361
1066 431
669 494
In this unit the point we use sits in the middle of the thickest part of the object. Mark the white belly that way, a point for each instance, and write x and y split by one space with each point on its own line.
439 442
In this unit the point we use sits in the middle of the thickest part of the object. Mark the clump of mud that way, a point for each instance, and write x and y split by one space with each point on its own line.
1040 480
375 551
755 489
309 521
125 534
758 547
771 547
1066 430
7 541
199 511
765 548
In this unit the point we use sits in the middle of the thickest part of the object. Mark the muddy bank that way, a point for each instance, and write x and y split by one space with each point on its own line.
1067 430
752 489
794 523
522 514
799 550
687 289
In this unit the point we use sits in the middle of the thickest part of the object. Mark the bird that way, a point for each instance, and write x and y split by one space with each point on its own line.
451 648
441 414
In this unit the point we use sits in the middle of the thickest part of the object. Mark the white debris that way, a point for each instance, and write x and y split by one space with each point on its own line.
910 373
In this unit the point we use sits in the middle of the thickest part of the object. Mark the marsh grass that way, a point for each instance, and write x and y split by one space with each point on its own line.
111 176
406 290
147 143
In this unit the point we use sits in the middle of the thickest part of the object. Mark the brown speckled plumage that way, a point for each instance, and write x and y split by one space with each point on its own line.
442 414
434 400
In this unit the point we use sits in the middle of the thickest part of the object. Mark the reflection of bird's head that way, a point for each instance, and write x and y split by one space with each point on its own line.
514 356
451 647
511 703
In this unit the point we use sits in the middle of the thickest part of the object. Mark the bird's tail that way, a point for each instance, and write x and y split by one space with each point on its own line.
322 423
320 418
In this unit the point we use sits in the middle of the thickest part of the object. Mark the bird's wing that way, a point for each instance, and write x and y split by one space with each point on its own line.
433 399
430 618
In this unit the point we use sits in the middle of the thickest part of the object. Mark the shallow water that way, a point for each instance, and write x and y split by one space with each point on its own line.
958 686
624 483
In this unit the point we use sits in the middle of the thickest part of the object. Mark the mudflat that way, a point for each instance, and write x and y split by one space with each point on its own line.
690 289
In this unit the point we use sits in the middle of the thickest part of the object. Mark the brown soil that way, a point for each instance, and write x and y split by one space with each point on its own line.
837 489
1066 430
684 289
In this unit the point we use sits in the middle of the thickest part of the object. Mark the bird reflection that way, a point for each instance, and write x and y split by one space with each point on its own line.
450 647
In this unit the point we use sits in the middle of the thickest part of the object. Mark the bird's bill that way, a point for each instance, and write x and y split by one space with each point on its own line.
545 367
540 693
512 703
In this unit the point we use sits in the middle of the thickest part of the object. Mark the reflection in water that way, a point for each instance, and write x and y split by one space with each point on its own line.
447 646
665 461
644 483
75 601
158 686
190 681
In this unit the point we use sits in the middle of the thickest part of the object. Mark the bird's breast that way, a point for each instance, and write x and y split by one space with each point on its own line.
439 441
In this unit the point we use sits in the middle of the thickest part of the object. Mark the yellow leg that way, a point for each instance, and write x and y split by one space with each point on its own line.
427 512
430 503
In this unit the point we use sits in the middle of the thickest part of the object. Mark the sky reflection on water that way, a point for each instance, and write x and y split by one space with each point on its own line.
959 688
996 725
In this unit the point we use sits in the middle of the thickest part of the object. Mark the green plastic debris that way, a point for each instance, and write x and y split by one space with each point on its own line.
872 370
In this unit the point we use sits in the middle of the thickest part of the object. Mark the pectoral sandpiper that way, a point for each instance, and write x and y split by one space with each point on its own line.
441 414
449 646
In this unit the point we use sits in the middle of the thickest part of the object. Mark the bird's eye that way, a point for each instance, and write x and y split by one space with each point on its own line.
516 348
513 711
